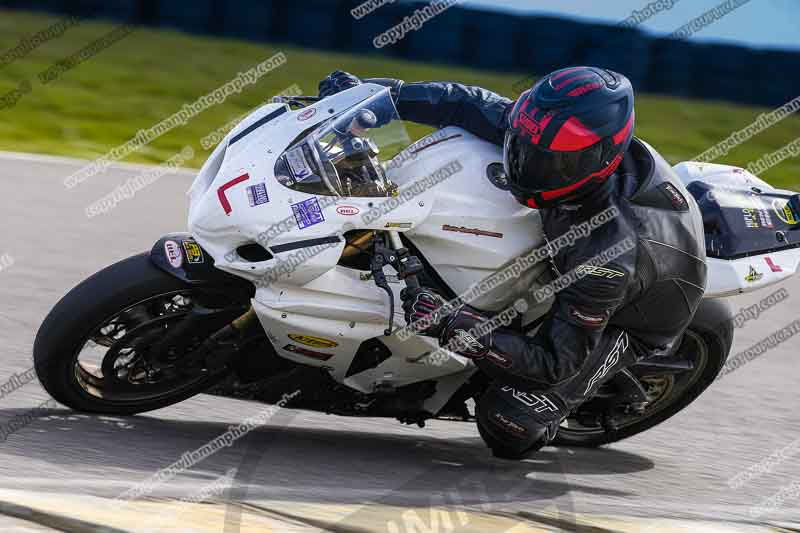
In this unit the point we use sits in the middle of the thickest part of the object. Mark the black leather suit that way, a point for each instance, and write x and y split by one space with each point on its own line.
636 305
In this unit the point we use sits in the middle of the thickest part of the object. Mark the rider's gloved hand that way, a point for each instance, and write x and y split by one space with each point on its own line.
337 82
457 330
422 308
461 333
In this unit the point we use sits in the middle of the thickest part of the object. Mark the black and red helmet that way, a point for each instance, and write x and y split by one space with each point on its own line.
567 135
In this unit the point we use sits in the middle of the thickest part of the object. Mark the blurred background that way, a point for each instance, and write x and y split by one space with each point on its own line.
703 69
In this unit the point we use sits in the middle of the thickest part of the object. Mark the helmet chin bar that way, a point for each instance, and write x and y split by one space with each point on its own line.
576 199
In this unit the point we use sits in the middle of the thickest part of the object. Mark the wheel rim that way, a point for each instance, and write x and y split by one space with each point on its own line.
113 362
663 391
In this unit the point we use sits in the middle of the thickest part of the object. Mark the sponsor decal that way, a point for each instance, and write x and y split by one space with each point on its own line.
539 403
510 425
785 213
753 276
675 197
298 164
307 114
194 254
348 210
527 121
257 194
307 213
601 272
757 218
307 353
587 319
223 200
772 266
472 231
314 342
173 253
399 225
612 359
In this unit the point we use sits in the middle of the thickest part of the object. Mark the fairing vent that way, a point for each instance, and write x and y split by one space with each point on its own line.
253 253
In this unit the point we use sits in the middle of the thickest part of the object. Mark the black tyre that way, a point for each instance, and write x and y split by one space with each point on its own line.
707 344
111 314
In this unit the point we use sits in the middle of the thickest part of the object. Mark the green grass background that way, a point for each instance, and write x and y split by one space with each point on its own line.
150 74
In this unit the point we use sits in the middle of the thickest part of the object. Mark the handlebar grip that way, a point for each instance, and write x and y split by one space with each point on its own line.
412 282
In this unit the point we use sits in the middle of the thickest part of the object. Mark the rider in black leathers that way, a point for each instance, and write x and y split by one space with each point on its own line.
617 311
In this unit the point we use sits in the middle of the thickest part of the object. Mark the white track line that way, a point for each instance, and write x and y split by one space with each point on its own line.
73 161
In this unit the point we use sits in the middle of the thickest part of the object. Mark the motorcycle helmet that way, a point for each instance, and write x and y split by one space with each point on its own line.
567 134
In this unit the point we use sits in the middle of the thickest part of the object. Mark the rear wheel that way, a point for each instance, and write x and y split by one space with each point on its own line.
706 345
93 351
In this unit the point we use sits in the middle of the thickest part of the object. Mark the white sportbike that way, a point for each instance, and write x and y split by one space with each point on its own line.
304 225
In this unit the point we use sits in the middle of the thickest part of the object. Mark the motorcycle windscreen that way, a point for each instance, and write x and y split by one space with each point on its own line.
346 156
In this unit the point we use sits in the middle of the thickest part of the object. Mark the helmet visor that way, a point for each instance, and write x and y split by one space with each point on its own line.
533 169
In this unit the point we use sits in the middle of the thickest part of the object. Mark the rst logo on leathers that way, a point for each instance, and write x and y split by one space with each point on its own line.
466 342
539 404
612 359
600 272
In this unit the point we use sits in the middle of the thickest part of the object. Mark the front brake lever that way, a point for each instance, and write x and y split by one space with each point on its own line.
383 255
406 265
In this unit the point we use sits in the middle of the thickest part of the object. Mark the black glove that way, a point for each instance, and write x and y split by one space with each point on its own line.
337 82
422 306
462 333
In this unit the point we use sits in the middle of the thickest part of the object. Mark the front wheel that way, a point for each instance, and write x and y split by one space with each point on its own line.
92 352
706 345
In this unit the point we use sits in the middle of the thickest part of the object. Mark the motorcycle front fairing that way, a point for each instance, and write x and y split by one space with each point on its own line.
292 183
